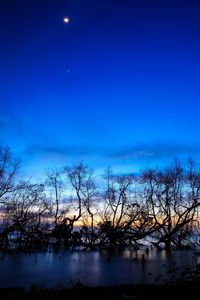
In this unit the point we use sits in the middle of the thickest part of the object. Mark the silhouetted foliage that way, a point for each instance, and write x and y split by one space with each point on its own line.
8 170
159 205
172 196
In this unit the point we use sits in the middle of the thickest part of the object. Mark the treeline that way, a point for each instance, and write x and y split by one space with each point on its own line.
70 208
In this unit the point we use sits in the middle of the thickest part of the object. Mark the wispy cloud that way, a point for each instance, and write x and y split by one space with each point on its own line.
155 151
59 150
152 151
125 159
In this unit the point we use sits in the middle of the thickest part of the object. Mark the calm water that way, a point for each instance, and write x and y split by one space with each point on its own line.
92 268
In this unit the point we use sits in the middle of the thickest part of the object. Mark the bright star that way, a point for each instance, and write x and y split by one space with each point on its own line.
66 20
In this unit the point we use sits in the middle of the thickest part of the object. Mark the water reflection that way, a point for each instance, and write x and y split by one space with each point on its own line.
90 267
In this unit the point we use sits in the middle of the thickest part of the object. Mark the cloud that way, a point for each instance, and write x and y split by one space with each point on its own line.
139 152
124 160
156 151
59 150
37 158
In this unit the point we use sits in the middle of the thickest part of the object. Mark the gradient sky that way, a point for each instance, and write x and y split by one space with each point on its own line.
118 85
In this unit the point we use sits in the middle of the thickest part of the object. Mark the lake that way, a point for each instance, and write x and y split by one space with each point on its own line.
93 268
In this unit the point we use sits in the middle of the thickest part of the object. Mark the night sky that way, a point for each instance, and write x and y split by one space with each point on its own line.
118 85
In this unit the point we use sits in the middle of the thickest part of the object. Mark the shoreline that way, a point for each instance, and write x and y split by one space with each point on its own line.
182 290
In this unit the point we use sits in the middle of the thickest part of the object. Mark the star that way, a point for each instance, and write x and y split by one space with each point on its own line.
66 20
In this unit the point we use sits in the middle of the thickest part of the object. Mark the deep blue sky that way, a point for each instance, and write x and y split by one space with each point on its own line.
118 85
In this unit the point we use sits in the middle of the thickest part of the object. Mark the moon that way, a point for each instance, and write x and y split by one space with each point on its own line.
66 20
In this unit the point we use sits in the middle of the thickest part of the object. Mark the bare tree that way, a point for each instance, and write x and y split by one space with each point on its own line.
123 215
55 186
172 196
82 186
83 196
8 170
23 211
116 197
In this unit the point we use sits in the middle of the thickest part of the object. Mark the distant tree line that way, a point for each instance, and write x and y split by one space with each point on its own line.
71 209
